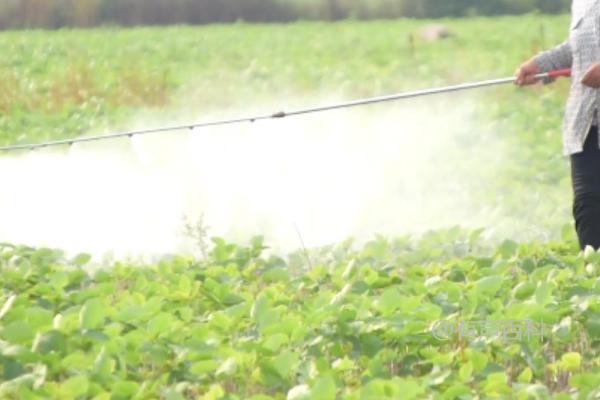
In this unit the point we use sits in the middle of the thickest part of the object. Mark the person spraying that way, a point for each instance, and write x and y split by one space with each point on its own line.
581 53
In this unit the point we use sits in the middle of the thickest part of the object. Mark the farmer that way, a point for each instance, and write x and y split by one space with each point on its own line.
581 52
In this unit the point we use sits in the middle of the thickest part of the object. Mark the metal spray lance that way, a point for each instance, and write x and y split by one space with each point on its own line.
282 114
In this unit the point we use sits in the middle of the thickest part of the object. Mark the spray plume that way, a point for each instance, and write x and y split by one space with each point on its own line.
389 169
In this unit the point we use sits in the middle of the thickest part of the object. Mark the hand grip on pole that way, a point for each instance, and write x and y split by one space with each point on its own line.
557 73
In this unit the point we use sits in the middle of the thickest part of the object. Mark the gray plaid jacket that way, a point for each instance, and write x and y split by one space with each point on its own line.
578 52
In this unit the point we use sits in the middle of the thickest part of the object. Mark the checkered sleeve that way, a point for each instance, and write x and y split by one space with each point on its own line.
557 58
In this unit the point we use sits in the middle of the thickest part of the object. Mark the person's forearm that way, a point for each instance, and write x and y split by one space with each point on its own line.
557 58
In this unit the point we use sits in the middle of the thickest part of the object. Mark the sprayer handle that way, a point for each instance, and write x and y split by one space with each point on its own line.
557 73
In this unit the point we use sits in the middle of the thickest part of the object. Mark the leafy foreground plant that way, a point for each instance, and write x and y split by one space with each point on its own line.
356 326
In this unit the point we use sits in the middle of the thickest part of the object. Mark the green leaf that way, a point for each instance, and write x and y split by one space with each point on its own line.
585 380
523 290
457 391
478 359
276 275
325 387
406 389
171 394
19 332
274 342
285 363
489 285
39 317
125 389
50 341
162 323
59 280
593 325
466 372
389 301
570 361
507 249
91 315
543 294
525 376
81 259
496 384
102 364
204 367
262 312
74 387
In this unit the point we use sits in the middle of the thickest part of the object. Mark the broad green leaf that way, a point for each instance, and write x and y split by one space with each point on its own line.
262 312
162 323
103 364
18 332
507 249
543 294
50 341
125 389
285 363
489 285
274 342
204 367
59 280
389 301
92 314
324 388
523 290
570 361
478 359
585 380
525 376
593 325
392 389
276 275
74 387
82 259
466 372
496 385
215 392
456 391
39 317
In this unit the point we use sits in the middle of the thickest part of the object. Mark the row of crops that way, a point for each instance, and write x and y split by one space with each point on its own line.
240 325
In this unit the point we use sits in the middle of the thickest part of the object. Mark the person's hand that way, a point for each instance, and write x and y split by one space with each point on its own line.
525 74
591 77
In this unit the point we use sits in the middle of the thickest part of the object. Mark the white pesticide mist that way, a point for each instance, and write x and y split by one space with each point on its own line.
399 168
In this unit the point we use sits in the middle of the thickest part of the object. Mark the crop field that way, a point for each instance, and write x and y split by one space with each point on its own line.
409 317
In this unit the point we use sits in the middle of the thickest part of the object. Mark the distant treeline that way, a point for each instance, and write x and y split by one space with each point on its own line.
60 13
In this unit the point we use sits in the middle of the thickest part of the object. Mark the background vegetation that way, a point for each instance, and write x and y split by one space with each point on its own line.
60 13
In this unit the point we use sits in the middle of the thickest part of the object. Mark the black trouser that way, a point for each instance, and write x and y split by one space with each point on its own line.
585 173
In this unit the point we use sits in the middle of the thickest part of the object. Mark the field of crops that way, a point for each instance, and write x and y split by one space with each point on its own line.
372 321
